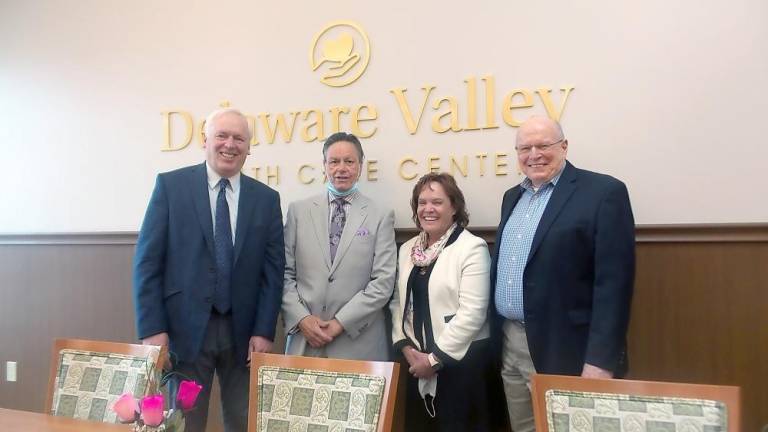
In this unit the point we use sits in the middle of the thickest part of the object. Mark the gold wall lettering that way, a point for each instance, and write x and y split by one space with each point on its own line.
168 144
447 110
409 168
478 109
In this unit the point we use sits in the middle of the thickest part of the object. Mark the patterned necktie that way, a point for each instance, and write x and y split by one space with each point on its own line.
222 240
337 226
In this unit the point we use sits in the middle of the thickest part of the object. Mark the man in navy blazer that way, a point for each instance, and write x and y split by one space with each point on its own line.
208 270
562 272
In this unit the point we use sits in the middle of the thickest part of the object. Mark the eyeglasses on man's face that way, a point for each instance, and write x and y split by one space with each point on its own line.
526 149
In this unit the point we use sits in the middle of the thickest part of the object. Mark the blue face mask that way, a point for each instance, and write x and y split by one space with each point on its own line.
338 193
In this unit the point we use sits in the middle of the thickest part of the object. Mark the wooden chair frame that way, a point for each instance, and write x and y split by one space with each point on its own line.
540 383
152 351
390 371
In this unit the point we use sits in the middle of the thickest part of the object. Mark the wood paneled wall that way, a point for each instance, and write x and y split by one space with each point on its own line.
68 286
700 310
700 315
58 290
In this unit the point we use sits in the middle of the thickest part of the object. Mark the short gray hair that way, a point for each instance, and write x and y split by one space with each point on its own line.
220 112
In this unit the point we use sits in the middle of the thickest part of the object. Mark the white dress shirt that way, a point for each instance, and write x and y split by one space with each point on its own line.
232 193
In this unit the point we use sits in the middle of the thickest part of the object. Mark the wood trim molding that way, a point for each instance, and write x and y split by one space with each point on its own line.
91 238
697 233
680 233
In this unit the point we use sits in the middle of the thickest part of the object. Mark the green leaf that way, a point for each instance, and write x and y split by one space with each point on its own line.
175 421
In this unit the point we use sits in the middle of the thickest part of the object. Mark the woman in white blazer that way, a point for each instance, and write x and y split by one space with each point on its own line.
440 313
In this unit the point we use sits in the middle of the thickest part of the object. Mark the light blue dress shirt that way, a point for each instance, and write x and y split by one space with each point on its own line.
515 247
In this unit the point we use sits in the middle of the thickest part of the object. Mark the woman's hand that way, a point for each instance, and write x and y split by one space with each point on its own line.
418 362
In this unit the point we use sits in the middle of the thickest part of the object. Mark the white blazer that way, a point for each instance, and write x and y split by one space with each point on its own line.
459 292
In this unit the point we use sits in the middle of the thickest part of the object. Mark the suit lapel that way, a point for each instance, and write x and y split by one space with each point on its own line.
246 205
320 218
202 203
563 191
358 212
509 204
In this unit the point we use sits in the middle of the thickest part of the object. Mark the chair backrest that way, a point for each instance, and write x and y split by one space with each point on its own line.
563 403
321 393
87 377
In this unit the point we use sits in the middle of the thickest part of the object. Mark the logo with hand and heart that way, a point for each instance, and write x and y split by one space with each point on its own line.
341 52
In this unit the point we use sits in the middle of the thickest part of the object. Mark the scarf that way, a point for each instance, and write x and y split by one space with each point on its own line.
422 257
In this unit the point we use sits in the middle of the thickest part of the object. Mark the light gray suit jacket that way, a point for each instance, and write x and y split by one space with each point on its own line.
354 288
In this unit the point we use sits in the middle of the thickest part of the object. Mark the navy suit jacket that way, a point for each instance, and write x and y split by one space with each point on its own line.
577 283
174 273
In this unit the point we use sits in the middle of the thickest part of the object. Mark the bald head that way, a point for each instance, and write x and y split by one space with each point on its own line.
540 125
541 149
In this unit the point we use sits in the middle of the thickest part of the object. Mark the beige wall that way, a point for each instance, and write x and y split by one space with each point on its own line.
665 93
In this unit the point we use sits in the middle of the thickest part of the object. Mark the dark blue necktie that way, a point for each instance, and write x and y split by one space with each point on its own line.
222 240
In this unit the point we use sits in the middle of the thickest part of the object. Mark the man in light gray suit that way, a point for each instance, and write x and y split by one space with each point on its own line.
340 264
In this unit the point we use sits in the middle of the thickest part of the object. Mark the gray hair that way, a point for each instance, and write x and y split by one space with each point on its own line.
220 112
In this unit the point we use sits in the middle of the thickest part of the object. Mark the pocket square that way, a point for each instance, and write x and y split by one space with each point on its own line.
362 232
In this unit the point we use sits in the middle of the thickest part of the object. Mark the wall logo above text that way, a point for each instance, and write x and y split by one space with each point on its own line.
340 53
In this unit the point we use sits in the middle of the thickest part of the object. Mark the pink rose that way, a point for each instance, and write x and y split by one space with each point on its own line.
188 391
152 410
126 408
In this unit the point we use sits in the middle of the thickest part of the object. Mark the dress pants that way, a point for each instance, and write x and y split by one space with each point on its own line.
516 370
218 356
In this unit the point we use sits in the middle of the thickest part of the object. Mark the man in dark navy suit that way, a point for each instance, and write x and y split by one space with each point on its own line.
208 270
562 272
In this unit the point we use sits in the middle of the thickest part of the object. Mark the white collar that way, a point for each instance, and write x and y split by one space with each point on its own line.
214 177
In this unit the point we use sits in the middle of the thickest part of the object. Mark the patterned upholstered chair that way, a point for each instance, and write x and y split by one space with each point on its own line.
87 377
574 404
290 393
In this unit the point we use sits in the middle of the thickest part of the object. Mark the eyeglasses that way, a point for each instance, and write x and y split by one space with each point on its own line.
523 150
